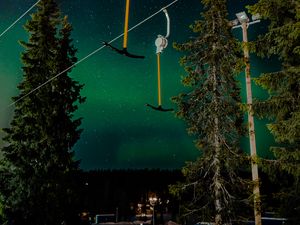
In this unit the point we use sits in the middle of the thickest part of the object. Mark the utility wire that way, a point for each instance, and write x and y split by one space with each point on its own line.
11 26
89 55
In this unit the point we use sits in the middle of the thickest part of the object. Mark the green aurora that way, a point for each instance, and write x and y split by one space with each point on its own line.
119 130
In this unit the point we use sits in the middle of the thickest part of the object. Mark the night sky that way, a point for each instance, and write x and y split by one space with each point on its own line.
120 132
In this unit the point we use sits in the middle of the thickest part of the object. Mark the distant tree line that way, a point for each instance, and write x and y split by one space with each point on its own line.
108 191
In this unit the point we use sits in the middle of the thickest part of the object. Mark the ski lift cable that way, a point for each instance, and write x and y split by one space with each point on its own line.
89 55
14 23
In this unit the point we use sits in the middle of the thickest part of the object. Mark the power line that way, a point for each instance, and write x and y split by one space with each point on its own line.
89 55
11 26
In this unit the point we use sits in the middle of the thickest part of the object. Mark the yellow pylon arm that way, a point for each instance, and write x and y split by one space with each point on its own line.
126 24
158 79
125 39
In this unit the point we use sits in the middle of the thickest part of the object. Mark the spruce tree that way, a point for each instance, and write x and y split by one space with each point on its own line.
38 163
211 109
282 40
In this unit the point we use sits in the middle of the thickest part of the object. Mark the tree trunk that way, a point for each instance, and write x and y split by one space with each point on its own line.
217 183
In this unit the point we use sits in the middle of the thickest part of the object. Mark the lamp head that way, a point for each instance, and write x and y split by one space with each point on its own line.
242 17
256 17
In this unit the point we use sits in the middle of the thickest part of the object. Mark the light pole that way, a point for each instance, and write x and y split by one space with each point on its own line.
153 201
244 23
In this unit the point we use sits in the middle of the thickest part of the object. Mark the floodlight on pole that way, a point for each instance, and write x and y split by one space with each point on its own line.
244 24
256 17
242 17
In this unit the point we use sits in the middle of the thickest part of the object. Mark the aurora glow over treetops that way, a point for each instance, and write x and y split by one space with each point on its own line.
119 131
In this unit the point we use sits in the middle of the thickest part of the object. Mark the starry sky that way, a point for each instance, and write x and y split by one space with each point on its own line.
120 132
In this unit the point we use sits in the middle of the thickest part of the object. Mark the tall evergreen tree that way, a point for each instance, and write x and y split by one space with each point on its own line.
283 105
38 162
212 111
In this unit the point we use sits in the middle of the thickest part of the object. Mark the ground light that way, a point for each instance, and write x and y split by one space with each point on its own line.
152 201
